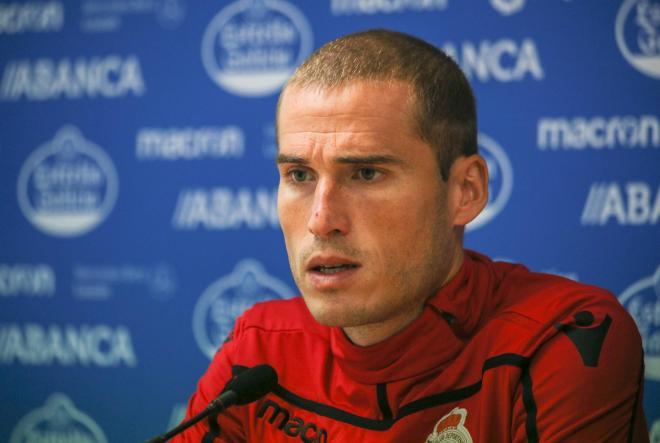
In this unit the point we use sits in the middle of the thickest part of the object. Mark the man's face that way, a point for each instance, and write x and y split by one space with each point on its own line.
362 206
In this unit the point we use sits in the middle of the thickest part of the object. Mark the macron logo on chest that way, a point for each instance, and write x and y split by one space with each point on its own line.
280 418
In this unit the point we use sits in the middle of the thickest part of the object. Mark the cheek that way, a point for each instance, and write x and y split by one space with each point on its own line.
389 230
402 218
290 212
411 230
292 216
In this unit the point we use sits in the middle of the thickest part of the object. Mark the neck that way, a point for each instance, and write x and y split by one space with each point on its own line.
372 333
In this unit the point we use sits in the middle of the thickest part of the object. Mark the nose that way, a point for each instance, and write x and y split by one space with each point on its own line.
328 217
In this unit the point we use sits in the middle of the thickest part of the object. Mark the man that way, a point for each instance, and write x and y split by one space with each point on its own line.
400 334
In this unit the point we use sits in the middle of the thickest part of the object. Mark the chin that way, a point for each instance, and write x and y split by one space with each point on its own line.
328 315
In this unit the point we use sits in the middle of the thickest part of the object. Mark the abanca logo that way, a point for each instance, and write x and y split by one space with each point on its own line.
642 301
503 60
631 204
637 31
251 47
68 185
500 181
229 297
57 420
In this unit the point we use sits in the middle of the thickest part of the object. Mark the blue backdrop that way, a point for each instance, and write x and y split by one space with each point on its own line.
137 179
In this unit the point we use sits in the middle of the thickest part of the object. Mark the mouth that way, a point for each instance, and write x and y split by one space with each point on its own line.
333 269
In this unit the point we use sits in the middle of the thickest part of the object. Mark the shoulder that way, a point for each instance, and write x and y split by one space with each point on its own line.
584 356
546 298
277 316
278 332
531 308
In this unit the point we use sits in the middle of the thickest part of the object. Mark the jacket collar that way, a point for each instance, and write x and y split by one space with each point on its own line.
432 340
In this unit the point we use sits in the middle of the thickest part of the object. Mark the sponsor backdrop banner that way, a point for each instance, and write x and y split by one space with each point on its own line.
138 187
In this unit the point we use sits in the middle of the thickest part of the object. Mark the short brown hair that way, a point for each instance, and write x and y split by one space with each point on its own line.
445 112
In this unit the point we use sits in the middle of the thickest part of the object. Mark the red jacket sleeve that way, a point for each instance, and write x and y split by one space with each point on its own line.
210 385
584 385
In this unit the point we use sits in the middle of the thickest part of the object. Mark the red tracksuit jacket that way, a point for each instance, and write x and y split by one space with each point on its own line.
499 354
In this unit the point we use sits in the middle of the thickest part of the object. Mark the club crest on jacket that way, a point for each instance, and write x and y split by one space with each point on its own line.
451 428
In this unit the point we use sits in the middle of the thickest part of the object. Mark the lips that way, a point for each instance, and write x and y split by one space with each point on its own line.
333 269
327 272
330 264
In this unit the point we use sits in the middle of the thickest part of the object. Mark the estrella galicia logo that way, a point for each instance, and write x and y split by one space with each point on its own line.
57 420
642 301
500 180
251 47
637 31
507 7
229 297
68 185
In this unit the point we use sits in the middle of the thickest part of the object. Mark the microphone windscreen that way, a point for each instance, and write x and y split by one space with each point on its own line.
253 383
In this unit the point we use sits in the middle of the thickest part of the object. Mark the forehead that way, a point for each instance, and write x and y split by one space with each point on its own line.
356 113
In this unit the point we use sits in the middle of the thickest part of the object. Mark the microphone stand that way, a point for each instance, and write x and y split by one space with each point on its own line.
250 385
220 403
214 429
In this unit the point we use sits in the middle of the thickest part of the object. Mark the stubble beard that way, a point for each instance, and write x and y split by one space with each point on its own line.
413 280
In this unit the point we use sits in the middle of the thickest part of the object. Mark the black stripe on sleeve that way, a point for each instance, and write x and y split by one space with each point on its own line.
530 405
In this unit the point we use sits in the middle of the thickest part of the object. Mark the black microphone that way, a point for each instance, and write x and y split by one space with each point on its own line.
248 386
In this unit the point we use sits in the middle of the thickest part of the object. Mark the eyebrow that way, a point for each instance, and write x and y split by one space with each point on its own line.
351 160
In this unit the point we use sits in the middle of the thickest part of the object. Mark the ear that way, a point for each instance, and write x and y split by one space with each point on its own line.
468 188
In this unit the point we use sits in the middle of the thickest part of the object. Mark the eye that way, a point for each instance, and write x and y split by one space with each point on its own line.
368 174
298 175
